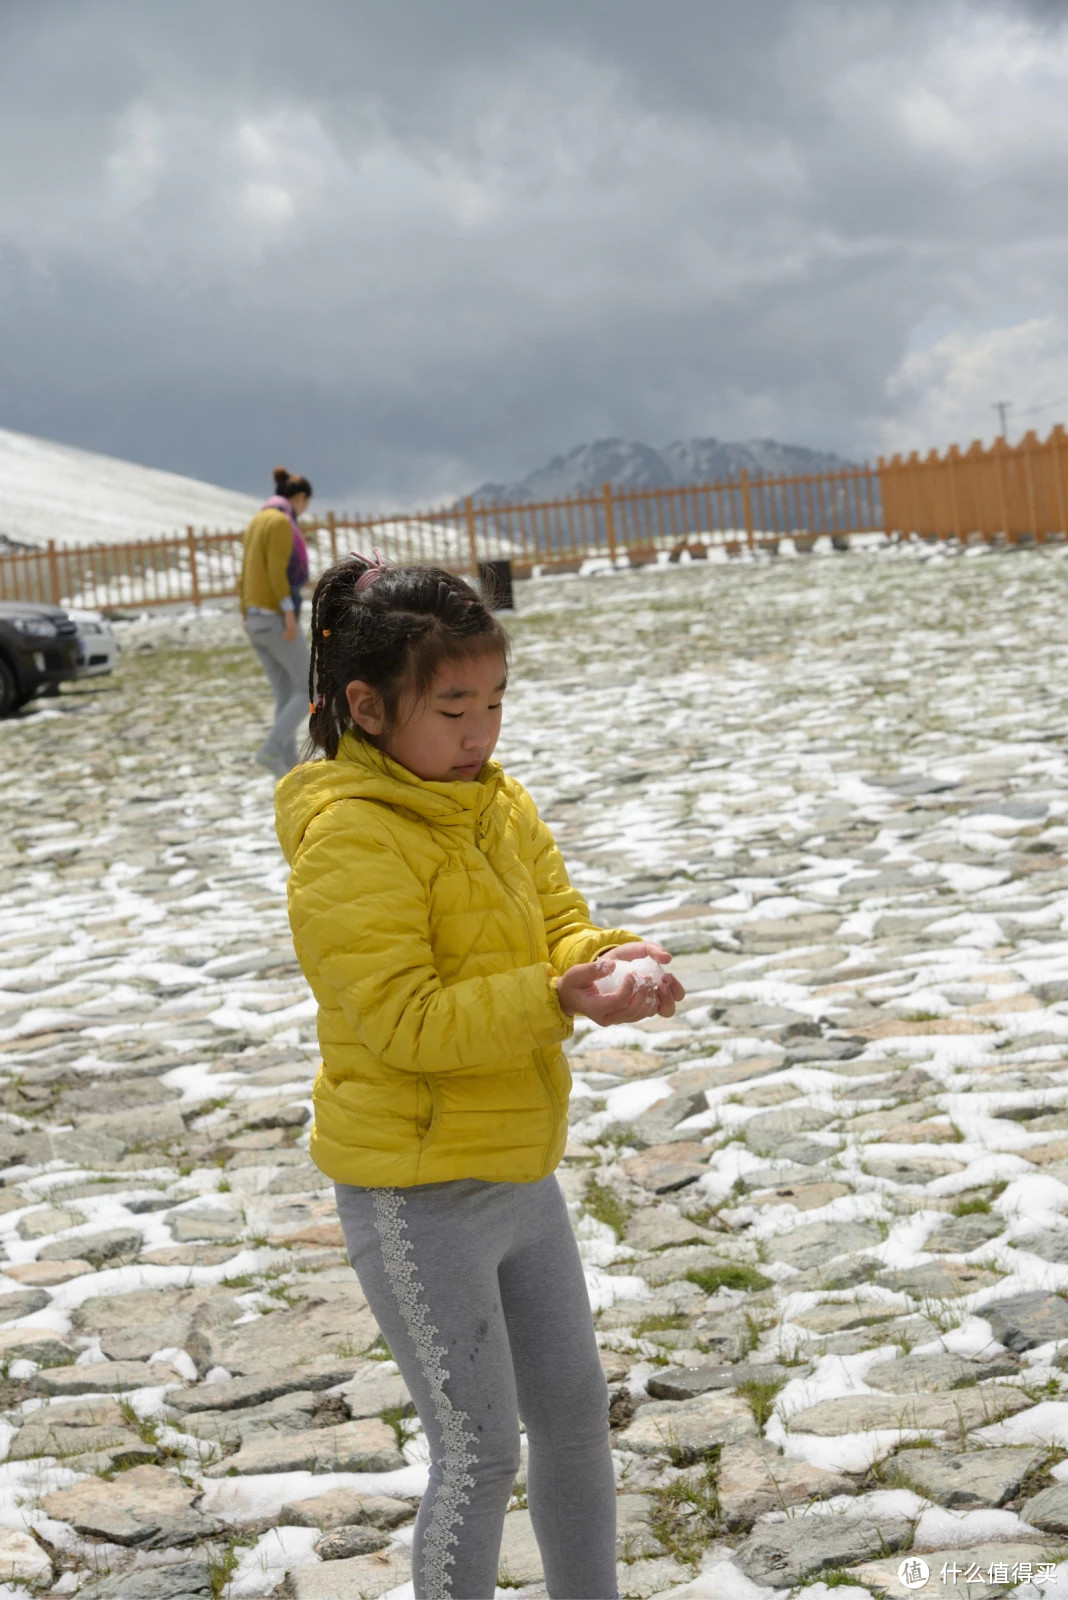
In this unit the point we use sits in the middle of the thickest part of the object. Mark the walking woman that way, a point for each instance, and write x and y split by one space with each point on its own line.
274 569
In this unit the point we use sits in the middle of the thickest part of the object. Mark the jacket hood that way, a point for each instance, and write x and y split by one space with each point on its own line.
362 772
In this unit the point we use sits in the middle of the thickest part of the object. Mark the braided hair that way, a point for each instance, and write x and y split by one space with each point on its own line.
393 632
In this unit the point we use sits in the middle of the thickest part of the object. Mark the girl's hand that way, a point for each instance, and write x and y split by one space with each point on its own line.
578 997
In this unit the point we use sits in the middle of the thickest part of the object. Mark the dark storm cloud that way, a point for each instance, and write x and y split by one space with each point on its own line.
409 247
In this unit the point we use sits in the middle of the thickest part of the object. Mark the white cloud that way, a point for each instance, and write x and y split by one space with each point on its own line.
946 392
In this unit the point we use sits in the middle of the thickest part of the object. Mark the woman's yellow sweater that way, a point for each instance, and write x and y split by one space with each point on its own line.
431 920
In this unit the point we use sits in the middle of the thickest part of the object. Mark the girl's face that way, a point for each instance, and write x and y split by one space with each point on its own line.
448 736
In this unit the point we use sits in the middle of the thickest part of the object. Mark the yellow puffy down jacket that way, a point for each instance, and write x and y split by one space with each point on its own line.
430 920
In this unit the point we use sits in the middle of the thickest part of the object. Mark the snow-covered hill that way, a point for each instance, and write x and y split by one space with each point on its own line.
53 491
626 464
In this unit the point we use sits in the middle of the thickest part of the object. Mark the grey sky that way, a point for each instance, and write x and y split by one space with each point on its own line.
407 247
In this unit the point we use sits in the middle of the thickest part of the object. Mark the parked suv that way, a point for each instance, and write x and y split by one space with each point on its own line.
39 648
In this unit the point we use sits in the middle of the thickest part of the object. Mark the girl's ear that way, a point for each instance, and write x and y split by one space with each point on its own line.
365 707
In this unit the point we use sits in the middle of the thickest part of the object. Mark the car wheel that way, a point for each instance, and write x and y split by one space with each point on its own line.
9 691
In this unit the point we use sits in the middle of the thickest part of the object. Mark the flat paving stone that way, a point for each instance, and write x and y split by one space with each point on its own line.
966 1478
147 1507
365 1446
956 1412
1048 1509
344 1507
685 1429
785 1553
1026 1320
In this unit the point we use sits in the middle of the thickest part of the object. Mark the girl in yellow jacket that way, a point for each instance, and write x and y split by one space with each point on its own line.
433 917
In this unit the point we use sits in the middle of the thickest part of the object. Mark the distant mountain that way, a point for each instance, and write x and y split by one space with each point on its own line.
626 464
54 491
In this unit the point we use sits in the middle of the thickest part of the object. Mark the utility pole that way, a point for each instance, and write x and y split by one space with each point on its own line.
1002 407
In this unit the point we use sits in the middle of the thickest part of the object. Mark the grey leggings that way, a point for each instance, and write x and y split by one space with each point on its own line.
286 666
479 1291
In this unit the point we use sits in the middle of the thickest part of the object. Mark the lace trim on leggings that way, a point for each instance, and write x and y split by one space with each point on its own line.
456 1437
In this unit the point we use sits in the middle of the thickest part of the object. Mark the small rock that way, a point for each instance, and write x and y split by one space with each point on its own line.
938 1280
881 1577
963 1234
785 1553
653 1228
147 1507
258 1388
363 1576
46 1274
766 1133
340 1507
288 1338
861 1413
22 1560
36 1344
802 1196
663 1168
668 1266
207 1223
839 1318
967 1478
1050 1245
348 1540
272 1113
934 1373
96 1248
684 1430
1048 1509
42 1224
174 1580
644 1578
370 1391
365 1446
104 1377
634 1534
519 1562
22 1303
819 1242
755 1479
685 1383
1027 1320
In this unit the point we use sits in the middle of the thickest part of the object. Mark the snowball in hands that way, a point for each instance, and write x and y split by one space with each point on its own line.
647 976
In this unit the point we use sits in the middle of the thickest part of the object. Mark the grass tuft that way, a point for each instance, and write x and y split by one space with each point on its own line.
734 1276
603 1204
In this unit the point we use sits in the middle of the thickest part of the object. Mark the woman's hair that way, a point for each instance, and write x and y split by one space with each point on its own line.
288 486
393 632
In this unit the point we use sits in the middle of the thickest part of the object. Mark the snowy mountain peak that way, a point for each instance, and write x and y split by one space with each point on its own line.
628 464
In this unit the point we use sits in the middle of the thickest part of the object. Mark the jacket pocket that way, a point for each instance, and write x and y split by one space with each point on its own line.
427 1110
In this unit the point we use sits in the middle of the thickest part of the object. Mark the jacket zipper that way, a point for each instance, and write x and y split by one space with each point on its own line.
538 1054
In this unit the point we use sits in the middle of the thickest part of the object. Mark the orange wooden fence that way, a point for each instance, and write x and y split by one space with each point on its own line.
1008 493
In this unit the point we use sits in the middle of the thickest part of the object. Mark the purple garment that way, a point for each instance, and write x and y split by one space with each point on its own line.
297 570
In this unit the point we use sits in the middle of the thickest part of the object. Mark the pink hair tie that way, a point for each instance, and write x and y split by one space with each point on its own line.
374 571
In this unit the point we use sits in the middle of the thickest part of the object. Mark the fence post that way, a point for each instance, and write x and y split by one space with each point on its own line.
191 540
747 506
53 573
998 450
1027 444
1055 445
609 521
331 520
469 513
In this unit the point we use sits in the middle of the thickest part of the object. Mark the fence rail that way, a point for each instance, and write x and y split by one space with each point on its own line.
1003 492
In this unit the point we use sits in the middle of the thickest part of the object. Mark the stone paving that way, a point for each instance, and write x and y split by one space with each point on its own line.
823 1209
